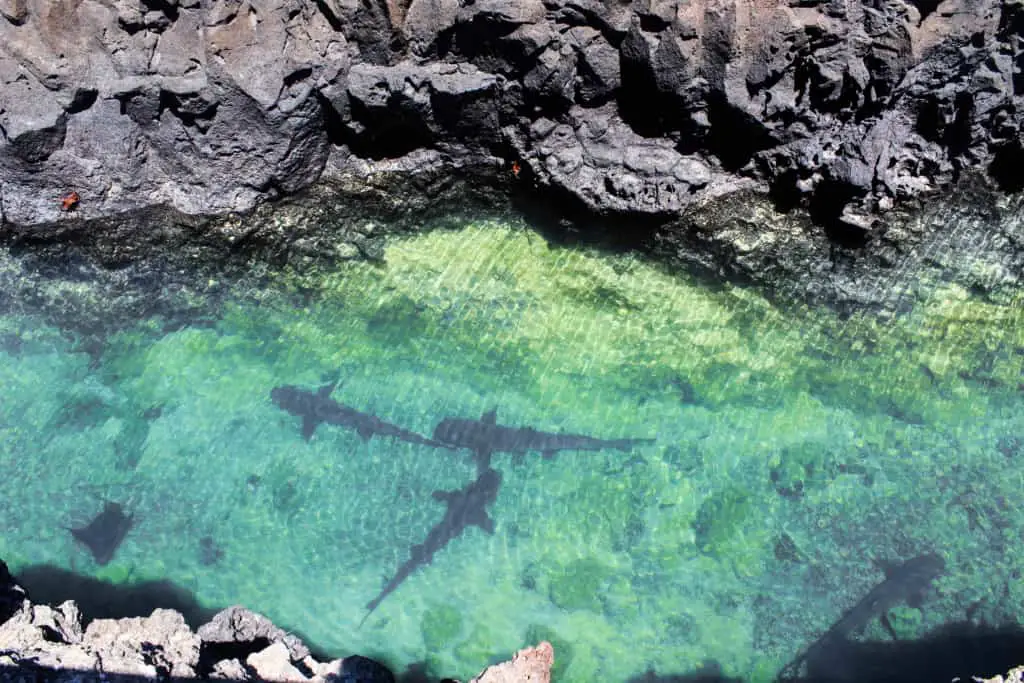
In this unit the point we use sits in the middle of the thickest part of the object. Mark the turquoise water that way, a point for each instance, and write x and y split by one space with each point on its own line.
792 448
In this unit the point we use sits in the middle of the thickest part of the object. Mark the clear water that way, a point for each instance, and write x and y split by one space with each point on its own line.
793 447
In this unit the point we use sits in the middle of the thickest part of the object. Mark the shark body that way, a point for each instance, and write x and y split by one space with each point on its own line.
485 436
466 507
317 407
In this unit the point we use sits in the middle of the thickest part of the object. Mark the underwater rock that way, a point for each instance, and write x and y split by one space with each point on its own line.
440 626
209 552
531 664
579 585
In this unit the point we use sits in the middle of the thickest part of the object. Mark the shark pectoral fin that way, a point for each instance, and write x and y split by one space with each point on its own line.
548 455
365 433
490 417
326 390
442 496
308 427
484 522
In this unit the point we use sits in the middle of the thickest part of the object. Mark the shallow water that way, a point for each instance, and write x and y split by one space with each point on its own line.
792 448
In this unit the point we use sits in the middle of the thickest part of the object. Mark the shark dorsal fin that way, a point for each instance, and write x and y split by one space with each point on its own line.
326 390
490 417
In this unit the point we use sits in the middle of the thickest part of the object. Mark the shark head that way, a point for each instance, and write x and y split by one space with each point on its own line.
290 398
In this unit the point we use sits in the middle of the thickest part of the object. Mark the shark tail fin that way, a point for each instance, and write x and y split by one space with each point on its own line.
370 606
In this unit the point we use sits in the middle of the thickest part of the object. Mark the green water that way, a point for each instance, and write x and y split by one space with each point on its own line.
793 447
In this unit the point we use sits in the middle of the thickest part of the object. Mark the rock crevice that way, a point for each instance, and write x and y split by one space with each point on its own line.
645 107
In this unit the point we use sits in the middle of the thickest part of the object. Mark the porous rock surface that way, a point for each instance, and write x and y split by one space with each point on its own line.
640 107
45 643
532 664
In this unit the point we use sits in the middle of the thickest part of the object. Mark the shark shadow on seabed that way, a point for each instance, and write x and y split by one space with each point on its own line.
485 437
904 582
105 533
317 407
465 507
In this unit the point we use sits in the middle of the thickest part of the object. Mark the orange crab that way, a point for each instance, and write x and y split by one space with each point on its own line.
515 169
70 201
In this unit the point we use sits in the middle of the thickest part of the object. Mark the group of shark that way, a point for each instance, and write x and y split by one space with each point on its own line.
904 582
483 437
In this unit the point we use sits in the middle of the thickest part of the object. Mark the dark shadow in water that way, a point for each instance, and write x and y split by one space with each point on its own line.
956 650
102 600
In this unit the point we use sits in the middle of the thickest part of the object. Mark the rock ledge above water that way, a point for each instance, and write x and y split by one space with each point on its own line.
42 642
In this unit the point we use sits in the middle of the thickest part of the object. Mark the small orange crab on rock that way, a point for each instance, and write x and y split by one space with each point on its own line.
70 201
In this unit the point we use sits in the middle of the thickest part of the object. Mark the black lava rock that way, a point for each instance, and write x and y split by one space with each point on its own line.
358 669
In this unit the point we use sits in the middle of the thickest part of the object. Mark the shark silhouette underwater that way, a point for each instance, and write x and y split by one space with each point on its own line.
317 407
104 534
465 508
904 582
485 436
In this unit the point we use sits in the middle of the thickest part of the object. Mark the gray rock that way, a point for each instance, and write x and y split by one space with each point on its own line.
839 108
274 664
239 625
158 645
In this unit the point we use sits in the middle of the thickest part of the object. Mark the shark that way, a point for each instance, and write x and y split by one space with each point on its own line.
465 508
485 436
317 407
904 582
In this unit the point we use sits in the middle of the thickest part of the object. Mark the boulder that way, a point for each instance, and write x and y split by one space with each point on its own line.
239 625
531 664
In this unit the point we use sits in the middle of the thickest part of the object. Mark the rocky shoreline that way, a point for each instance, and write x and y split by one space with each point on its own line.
53 643
751 141
640 108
